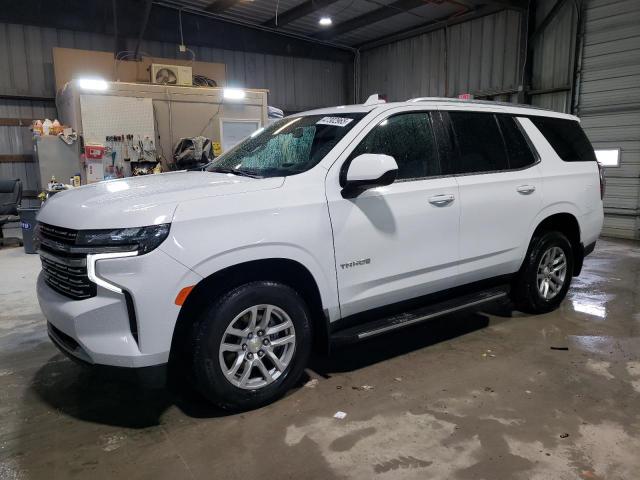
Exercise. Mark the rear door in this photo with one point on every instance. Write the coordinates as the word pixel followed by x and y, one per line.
pixel 499 187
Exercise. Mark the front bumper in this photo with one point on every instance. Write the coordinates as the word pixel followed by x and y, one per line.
pixel 155 376
pixel 99 330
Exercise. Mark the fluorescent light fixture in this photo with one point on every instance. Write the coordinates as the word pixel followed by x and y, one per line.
pixel 609 157
pixel 93 84
pixel 234 93
pixel 325 21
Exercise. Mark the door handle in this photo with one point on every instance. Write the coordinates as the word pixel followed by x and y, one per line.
pixel 526 189
pixel 441 200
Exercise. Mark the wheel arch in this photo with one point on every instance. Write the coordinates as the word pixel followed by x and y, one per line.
pixel 567 224
pixel 287 271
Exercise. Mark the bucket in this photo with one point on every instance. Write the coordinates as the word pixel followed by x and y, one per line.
pixel 28 224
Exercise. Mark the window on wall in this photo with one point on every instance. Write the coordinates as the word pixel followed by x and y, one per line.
pixel 409 140
pixel 608 157
pixel 566 137
pixel 518 151
pixel 479 143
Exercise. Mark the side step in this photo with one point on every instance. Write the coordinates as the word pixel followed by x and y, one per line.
pixel 405 319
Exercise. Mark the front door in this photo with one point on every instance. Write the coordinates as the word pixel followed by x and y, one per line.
pixel 400 241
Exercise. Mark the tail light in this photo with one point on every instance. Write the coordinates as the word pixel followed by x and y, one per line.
pixel 603 182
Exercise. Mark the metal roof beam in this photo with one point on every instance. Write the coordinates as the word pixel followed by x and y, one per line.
pixel 220 6
pixel 511 4
pixel 431 26
pixel 553 13
pixel 297 12
pixel 395 8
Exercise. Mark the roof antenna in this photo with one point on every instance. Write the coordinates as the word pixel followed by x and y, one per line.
pixel 375 99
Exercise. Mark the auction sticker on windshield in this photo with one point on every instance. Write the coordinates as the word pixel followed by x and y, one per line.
pixel 335 121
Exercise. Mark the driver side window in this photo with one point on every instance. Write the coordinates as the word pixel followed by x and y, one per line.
pixel 408 138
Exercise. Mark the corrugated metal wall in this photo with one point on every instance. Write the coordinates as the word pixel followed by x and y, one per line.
pixel 294 83
pixel 482 56
pixel 27 69
pixel 16 140
pixel 609 104
pixel 553 54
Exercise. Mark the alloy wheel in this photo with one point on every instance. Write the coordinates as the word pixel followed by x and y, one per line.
pixel 552 273
pixel 257 347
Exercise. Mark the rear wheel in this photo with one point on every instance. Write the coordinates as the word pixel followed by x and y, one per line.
pixel 251 345
pixel 545 276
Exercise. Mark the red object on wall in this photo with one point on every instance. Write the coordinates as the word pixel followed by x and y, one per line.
pixel 95 152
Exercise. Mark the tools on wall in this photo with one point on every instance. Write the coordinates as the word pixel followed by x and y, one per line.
pixel 125 155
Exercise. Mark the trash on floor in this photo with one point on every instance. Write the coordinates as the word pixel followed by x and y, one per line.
pixel 313 383
pixel 339 415
pixel 363 387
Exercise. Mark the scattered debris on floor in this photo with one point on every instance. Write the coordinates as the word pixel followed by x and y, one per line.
pixel 313 383
pixel 489 389
pixel 339 415
pixel 363 388
pixel 559 348
pixel 112 442
pixel 398 379
pixel 564 435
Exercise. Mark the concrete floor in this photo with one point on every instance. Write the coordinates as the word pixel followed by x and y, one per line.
pixel 474 396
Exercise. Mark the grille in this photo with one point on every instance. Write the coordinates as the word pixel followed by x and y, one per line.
pixel 62 235
pixel 67 276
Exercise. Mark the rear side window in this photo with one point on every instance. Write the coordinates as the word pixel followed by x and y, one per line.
pixel 518 150
pixel 409 140
pixel 479 142
pixel 567 138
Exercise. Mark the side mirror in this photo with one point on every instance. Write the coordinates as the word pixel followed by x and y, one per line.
pixel 369 170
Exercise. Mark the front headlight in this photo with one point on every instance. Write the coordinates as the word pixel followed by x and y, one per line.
pixel 142 239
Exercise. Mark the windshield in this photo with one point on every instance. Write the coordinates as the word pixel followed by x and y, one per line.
pixel 287 147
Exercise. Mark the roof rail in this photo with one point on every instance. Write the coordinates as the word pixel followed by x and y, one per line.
pixel 429 99
pixel 476 102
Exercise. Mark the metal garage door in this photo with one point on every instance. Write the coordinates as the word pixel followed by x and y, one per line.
pixel 609 104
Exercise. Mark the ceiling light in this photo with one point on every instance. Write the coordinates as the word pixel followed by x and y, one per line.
pixel 93 84
pixel 325 21
pixel 233 93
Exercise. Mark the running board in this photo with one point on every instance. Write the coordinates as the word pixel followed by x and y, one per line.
pixel 422 314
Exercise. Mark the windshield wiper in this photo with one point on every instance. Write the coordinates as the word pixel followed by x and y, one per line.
pixel 241 173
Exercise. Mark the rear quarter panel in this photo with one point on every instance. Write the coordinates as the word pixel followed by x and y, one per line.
pixel 567 187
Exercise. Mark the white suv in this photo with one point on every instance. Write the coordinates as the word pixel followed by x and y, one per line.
pixel 328 226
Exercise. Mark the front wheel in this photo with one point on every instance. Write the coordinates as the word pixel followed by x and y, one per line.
pixel 251 345
pixel 545 276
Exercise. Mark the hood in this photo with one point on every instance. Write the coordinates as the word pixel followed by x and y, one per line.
pixel 140 201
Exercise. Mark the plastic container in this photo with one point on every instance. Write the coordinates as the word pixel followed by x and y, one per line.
pixel 28 224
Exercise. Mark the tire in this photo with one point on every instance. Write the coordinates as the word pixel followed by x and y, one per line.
pixel 275 361
pixel 528 292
